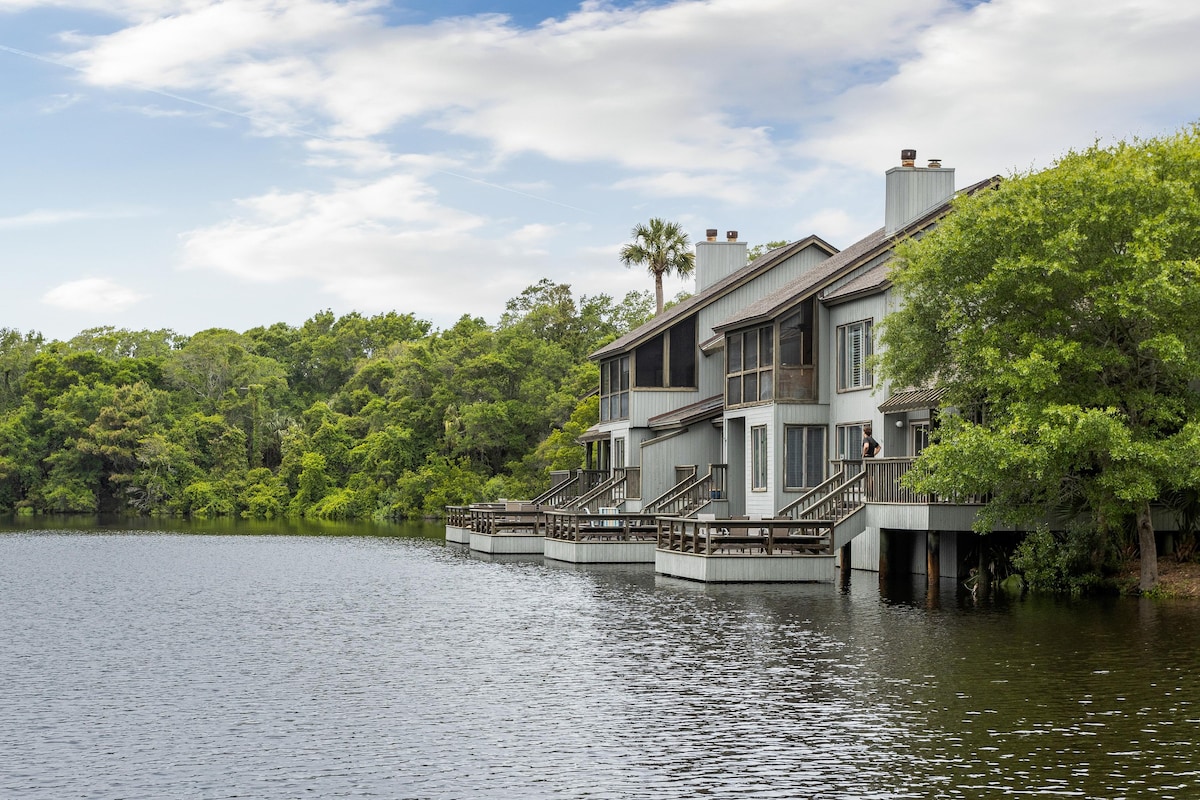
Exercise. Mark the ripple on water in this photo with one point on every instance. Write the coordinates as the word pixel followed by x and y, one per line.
pixel 153 665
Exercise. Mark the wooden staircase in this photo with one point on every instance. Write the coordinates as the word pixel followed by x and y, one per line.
pixel 835 507
pixel 689 496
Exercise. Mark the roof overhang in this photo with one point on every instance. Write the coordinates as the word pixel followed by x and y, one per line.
pixel 593 434
pixel 712 408
pixel 912 400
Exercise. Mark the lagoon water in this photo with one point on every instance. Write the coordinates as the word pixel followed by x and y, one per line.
pixel 325 663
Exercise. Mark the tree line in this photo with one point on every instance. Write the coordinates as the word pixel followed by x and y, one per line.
pixel 349 417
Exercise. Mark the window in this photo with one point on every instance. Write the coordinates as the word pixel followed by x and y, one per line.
pixel 854 348
pixel 758 458
pixel 618 458
pixel 803 456
pixel 750 366
pixel 669 359
pixel 849 442
pixel 797 376
pixel 614 389
pixel 920 437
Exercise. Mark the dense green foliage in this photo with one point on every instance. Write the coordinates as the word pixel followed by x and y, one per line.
pixel 342 417
pixel 1062 308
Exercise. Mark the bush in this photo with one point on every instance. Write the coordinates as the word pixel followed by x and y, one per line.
pixel 208 499
pixel 1076 561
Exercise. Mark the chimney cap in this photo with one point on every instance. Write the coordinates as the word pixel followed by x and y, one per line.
pixel 710 234
pixel 731 236
pixel 935 163
pixel 908 158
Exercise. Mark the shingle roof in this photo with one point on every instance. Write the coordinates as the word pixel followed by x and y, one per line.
pixel 705 409
pixel 872 280
pixel 856 255
pixel 714 292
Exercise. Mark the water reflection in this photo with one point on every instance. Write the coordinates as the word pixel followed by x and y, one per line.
pixel 156 665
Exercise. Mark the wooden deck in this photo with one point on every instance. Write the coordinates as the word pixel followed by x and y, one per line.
pixel 507 529
pixel 615 538
pixel 782 550
pixel 771 537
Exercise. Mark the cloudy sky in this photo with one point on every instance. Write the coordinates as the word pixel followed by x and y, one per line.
pixel 189 164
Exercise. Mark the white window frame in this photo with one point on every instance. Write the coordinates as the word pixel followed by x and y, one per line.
pixel 760 464
pixel 807 434
pixel 849 442
pixel 854 347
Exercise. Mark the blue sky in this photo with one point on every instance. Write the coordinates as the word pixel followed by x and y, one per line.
pixel 188 164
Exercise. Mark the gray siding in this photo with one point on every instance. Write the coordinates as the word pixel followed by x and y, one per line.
pixel 699 445
pixel 911 191
pixel 715 260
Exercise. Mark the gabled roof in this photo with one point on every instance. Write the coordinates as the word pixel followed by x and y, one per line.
pixel 709 408
pixel 828 272
pixel 711 294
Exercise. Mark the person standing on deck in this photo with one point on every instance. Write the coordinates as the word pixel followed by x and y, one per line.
pixel 870 447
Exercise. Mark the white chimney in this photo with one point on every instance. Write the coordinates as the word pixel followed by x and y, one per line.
pixel 913 190
pixel 715 259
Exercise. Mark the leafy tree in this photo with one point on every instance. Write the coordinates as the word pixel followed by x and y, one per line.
pixel 215 361
pixel 20 455
pixel 760 250
pixel 116 435
pixel 663 249
pixel 16 356
pixel 1063 306
pixel 118 343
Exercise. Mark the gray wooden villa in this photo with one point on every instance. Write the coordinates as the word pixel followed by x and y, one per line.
pixel 730 433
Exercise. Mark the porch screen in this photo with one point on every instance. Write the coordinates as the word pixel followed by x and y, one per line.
pixel 797 375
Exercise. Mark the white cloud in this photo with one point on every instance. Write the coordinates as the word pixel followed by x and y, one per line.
pixel 92 294
pixel 59 102
pixel 374 245
pixel 773 117
pixel 1018 82
pixel 49 217
pixel 686 87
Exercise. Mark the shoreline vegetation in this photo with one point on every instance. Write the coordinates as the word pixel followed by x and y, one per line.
pixel 340 418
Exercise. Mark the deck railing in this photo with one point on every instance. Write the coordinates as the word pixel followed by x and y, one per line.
pixel 693 494
pixel 458 516
pixel 572 526
pixel 632 488
pixel 745 536
pixel 566 491
pixel 883 485
pixel 496 518
pixel 625 482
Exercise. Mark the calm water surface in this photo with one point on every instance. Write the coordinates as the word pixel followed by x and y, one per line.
pixel 320 662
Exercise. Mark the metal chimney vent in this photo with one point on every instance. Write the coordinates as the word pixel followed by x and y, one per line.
pixel 908 158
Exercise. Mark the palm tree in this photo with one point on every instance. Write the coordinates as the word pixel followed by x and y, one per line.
pixel 663 248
